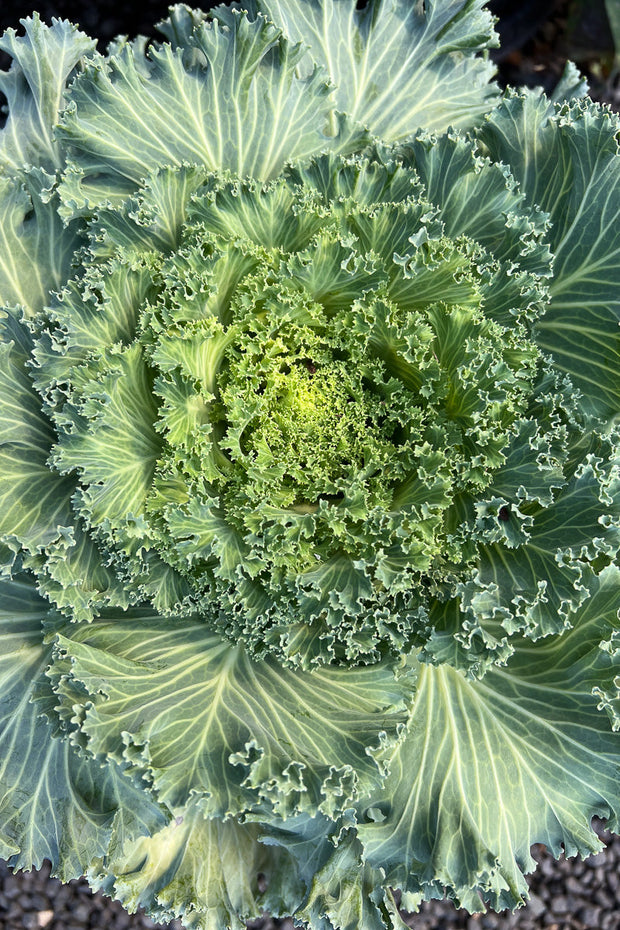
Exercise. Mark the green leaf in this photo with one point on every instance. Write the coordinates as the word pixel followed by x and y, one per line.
pixel 497 217
pixel 567 163
pixel 344 892
pixel 210 873
pixel 571 85
pixel 397 66
pixel 73 573
pixel 533 467
pixel 201 533
pixel 44 61
pixel 536 586
pixel 87 325
pixel 117 453
pixel 153 219
pixel 55 803
pixel 35 507
pixel 218 726
pixel 469 643
pixel 91 314
pixel 490 767
pixel 36 250
pixel 34 502
pixel 309 838
pixel 271 214
pixel 238 101
pixel 608 689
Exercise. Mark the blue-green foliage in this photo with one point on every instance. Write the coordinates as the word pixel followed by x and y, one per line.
pixel 309 463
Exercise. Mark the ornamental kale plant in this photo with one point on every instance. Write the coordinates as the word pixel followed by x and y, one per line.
pixel 310 472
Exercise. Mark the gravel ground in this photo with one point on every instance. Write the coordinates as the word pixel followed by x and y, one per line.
pixel 569 894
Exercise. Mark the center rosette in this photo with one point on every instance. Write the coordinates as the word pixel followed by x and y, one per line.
pixel 304 414
pixel 306 434
pixel 298 393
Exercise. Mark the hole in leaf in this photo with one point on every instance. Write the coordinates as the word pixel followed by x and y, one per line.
pixel 332 498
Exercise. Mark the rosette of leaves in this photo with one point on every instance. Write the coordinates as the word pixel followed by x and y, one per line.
pixel 310 487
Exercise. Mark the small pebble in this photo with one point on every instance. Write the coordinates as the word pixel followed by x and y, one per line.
pixel 573 885
pixel 561 905
pixel 536 906
pixel 81 911
pixel 604 899
pixel 589 916
pixel 609 922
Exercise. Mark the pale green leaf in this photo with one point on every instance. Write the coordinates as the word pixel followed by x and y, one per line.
pixel 55 803
pixel 117 453
pixel 270 215
pixel 36 250
pixel 220 726
pixel 208 872
pixel 44 61
pixel 153 219
pixel 89 325
pixel 490 767
pixel 567 164
pixel 478 199
pixel 533 466
pixel 608 689
pixel 94 312
pixel 396 66
pixel 239 105
pixel 571 85
pixel 34 502
pixel 344 892
pixel 72 572
pixel 536 586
